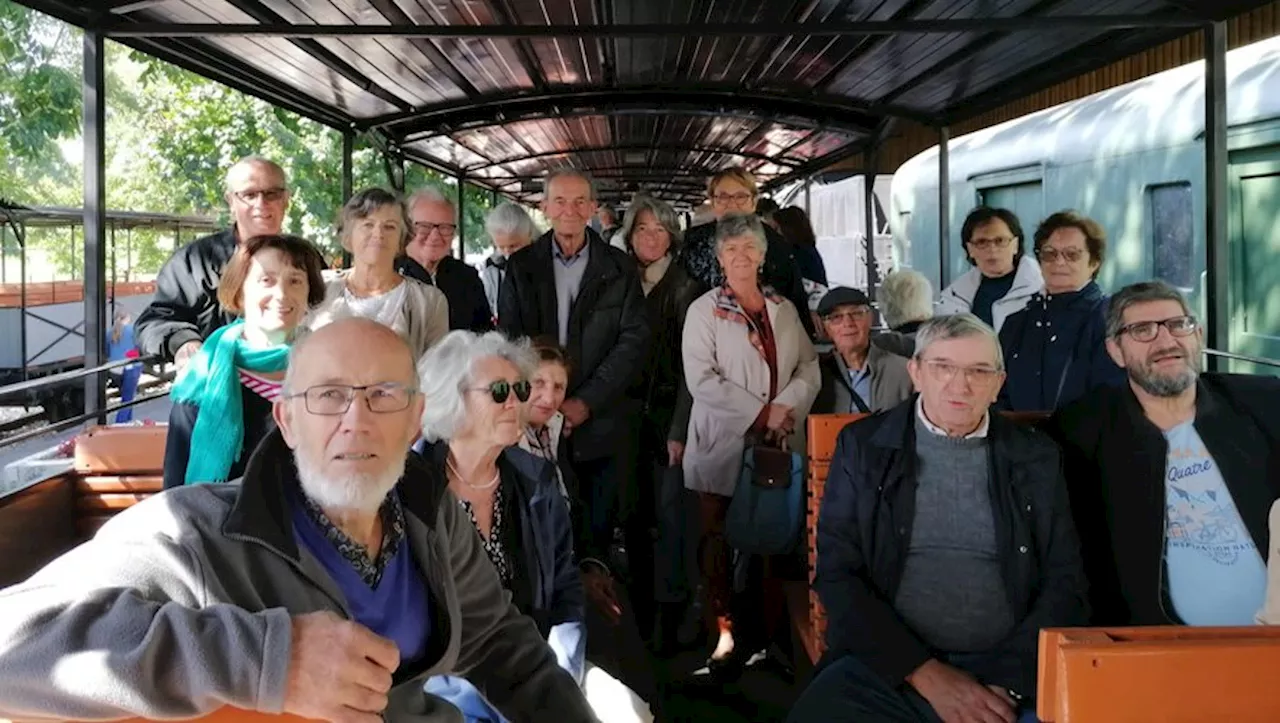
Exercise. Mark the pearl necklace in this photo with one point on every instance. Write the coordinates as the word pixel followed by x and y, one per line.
pixel 496 476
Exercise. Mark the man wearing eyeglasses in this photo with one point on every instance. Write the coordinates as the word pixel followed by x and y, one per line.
pixel 429 259
pixel 185 310
pixel 329 583
pixel 945 543
pixel 1172 475
pixel 857 376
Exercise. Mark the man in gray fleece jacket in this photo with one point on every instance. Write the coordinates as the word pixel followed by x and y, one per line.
pixel 329 583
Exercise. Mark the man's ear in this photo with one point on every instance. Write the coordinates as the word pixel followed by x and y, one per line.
pixel 284 420
pixel 1113 351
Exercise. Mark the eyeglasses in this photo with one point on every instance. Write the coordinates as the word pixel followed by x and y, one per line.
pixel 335 399
pixel 267 195
pixel 943 372
pixel 738 198
pixel 1148 330
pixel 851 315
pixel 501 389
pixel 1049 254
pixel 998 242
pixel 424 229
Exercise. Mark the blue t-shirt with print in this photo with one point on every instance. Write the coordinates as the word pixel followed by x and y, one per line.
pixel 1216 574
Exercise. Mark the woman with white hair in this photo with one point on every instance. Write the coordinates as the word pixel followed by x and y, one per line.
pixel 475 388
pixel 374 227
pixel 906 302
pixel 753 374
pixel 511 229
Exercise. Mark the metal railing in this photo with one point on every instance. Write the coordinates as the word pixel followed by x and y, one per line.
pixel 1263 361
pixel 64 377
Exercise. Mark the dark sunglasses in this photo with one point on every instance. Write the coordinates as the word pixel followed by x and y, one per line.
pixel 501 389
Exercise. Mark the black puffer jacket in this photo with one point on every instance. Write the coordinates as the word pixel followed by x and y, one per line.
pixel 661 388
pixel 608 337
pixel 698 257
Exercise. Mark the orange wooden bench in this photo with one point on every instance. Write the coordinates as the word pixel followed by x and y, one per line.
pixel 1166 674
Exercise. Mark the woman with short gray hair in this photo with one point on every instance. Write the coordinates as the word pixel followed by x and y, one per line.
pixel 511 229
pixel 374 227
pixel 475 388
pixel 753 375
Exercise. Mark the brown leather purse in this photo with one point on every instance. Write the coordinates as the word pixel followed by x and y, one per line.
pixel 770 466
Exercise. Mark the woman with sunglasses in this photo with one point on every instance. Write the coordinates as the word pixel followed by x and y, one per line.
pixel 1002 279
pixel 1054 349
pixel 222 399
pixel 475 390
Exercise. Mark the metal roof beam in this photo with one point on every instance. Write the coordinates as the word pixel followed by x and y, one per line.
pixel 636 148
pixel 825 112
pixel 654 30
pixel 394 15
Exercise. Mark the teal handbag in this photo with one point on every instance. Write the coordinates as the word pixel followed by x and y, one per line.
pixel 767 511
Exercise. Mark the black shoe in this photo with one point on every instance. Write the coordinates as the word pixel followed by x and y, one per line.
pixel 722 671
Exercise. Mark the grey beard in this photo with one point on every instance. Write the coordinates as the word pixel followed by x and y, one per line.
pixel 1167 386
pixel 361 493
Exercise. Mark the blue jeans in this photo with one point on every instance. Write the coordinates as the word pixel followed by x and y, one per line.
pixel 848 690
pixel 128 388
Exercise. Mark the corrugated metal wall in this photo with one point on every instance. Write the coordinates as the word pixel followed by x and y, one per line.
pixel 911 138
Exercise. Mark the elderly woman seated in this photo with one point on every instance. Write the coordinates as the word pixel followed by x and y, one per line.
pixel 511 229
pixel 222 399
pixel 475 388
pixel 374 227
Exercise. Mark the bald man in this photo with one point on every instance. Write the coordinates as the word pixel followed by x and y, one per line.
pixel 185 310
pixel 329 583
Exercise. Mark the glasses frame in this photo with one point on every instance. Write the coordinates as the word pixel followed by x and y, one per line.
pixel 268 195
pixel 858 314
pixel 363 390
pixel 424 229
pixel 1043 254
pixel 727 198
pixel 1190 330
pixel 500 390
pixel 999 242
pixel 973 376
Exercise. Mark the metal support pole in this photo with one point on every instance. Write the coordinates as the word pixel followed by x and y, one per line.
pixel 462 216
pixel 808 185
pixel 400 179
pixel 95 204
pixel 944 207
pixel 1217 259
pixel 348 180
pixel 869 218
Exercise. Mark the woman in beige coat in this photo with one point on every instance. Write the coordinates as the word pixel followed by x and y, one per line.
pixel 753 374
pixel 374 227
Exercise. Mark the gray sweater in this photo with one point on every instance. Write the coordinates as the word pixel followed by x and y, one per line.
pixel 182 605
pixel 952 592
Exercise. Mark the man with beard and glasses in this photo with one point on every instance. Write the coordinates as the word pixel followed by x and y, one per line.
pixel 329 583
pixel 1172 476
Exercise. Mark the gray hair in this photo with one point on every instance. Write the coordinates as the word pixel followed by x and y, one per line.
pixel 905 295
pixel 427 194
pixel 252 161
pixel 568 172
pixel 662 211
pixel 303 339
pixel 446 372
pixel 738 225
pixel 1140 293
pixel 956 326
pixel 365 203
pixel 510 218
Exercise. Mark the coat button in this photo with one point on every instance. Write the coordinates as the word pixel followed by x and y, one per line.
pixel 1038 323
pixel 1053 338
pixel 1023 549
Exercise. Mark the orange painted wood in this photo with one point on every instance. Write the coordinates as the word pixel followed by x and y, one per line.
pixel 121 450
pixel 109 502
pixel 98 484
pixel 44 293
pixel 1167 674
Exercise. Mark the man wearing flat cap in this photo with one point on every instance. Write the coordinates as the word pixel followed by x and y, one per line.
pixel 857 376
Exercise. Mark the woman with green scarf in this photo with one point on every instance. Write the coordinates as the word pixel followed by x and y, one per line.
pixel 222 399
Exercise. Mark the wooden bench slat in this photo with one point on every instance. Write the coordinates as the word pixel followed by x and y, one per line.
pixel 98 484
pixel 109 502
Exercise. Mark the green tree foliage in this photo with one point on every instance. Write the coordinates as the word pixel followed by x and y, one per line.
pixel 171 135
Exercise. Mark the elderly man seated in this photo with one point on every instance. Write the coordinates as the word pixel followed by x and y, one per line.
pixel 945 543
pixel 330 583
pixel 856 376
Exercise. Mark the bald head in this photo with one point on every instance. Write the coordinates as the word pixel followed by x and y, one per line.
pixel 258 197
pixel 245 168
pixel 325 356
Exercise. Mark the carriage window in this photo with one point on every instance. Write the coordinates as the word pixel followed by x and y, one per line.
pixel 1172 234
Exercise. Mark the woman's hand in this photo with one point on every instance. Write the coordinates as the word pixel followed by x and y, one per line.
pixel 598 585
pixel 780 419
pixel 675 453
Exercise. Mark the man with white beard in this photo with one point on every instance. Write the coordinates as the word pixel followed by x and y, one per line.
pixel 1173 475
pixel 329 583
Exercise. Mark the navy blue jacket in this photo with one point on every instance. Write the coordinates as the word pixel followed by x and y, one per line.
pixel 864 532
pixel 1055 351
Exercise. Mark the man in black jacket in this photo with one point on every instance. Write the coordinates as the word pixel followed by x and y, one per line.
pixel 571 286
pixel 1172 475
pixel 185 310
pixel 945 543
pixel 435 223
